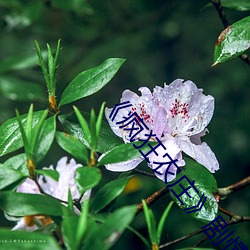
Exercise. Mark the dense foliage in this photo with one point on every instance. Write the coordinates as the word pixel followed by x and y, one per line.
pixel 58 145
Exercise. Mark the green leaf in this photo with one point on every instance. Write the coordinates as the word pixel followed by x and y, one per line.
pixel 19 90
pixel 105 235
pixel 69 230
pixel 108 193
pixel 8 176
pixel 151 223
pixel 43 65
pixel 37 132
pixel 18 162
pixel 107 139
pixel 16 240
pixel 241 5
pixel 90 81
pixel 74 228
pixel 143 239
pixel 82 223
pixel 20 204
pixel 92 127
pixel 46 138
pixel 73 146
pixel 233 41
pixel 87 177
pixel 84 125
pixel 10 136
pixel 53 174
pixel 204 183
pixel 162 221
pixel 99 121
pixel 124 152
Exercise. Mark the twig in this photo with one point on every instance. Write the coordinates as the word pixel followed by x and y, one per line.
pixel 182 238
pixel 224 211
pixel 226 23
pixel 223 192
pixel 152 198
pixel 222 15
pixel 203 239
pixel 144 173
pixel 234 220
pixel 42 192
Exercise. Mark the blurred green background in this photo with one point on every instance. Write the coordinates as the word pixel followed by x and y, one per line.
pixel 161 41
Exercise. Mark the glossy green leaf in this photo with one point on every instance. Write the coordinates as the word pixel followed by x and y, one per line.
pixel 205 183
pixel 69 230
pixel 151 223
pixel 9 175
pixel 107 139
pixel 10 136
pixel 233 41
pixel 82 223
pixel 99 120
pixel 105 235
pixel 73 146
pixel 20 204
pixel 46 138
pixel 143 239
pixel 74 228
pixel 241 5
pixel 108 193
pixel 87 177
pixel 92 128
pixel 90 81
pixel 16 240
pixel 84 125
pixel 19 90
pixel 53 174
pixel 162 221
pixel 18 162
pixel 124 152
pixel 37 134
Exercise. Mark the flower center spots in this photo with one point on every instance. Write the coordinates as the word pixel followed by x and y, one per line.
pixel 142 113
pixel 179 109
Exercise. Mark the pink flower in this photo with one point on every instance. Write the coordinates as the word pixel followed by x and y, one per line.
pixel 178 114
pixel 58 189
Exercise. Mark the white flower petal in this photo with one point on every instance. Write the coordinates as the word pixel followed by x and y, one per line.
pixel 189 110
pixel 125 165
pixel 174 152
pixel 59 189
pixel 29 187
pixel 201 153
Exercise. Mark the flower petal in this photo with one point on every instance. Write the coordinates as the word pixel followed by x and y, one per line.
pixel 174 152
pixel 29 187
pixel 189 110
pixel 65 182
pixel 125 165
pixel 145 106
pixel 201 153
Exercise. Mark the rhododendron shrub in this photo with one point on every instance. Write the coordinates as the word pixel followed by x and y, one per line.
pixel 112 159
